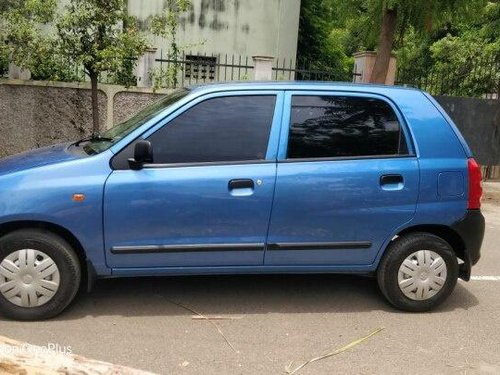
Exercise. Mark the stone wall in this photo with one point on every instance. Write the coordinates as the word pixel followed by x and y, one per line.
pixel 34 116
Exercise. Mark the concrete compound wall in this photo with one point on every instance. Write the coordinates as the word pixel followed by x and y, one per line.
pixel 34 114
pixel 479 122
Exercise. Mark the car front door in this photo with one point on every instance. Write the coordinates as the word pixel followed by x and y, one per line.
pixel 206 198
pixel 347 178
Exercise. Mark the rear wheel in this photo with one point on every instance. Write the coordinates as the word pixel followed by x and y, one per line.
pixel 39 274
pixel 418 272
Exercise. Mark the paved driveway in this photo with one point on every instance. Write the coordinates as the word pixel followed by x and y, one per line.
pixel 136 322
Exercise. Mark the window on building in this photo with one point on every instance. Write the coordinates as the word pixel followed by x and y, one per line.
pixel 200 67
pixel 222 129
pixel 343 126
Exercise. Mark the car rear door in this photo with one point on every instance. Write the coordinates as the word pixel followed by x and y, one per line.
pixel 206 199
pixel 347 178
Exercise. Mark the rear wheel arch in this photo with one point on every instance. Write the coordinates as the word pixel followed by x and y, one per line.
pixel 447 234
pixel 442 231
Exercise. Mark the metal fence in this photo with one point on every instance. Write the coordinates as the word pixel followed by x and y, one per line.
pixel 288 69
pixel 478 77
pixel 189 69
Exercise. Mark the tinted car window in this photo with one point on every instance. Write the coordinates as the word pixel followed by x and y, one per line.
pixel 341 126
pixel 221 129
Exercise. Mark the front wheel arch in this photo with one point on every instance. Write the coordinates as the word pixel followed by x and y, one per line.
pixel 86 267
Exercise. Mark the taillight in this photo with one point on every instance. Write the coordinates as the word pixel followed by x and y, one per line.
pixel 475 186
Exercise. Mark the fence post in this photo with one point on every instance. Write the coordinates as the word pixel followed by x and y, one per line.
pixel 144 68
pixel 263 68
pixel 16 72
pixel 363 67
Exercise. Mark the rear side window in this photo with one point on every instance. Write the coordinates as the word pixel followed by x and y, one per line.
pixel 222 129
pixel 343 126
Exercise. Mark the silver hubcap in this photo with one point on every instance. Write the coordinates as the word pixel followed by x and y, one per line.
pixel 422 275
pixel 29 278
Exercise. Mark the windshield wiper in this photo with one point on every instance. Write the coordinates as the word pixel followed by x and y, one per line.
pixel 93 137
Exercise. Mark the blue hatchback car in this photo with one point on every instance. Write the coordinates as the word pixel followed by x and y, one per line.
pixel 247 178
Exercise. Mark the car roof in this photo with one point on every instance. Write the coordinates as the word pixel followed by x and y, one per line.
pixel 299 85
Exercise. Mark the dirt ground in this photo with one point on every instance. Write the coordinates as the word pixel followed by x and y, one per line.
pixel 491 192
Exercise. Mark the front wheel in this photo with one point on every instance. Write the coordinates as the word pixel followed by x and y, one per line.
pixel 39 274
pixel 418 272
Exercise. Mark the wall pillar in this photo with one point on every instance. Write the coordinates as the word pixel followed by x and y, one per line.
pixel 364 63
pixel 263 68
pixel 144 68
pixel 16 72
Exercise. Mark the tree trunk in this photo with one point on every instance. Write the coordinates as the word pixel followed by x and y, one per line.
pixel 95 103
pixel 385 41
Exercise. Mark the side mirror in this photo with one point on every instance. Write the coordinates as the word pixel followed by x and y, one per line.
pixel 143 153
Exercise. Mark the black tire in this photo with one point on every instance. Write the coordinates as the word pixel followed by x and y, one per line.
pixel 397 252
pixel 64 257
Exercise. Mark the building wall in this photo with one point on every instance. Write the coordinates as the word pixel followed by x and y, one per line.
pixel 240 27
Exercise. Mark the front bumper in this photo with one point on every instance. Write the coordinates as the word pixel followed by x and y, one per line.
pixel 471 229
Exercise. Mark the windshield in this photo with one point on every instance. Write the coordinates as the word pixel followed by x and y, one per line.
pixel 108 138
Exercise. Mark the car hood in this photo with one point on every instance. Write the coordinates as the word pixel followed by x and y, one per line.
pixel 36 158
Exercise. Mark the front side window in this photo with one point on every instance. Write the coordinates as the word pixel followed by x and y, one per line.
pixel 343 126
pixel 234 128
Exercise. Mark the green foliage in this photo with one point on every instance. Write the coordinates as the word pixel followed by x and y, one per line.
pixel 461 59
pixel 21 39
pixel 124 76
pixel 413 55
pixel 92 33
pixel 332 30
pixel 466 61
pixel 165 25
pixel 28 38
pixel 49 64
pixel 4 52
pixel 4 62
pixel 434 39
pixel 98 35
pixel 314 26
pixel 490 26
pixel 322 38
pixel 165 77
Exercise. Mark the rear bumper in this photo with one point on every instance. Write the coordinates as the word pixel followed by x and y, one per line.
pixel 471 230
